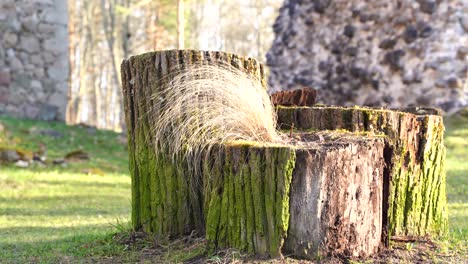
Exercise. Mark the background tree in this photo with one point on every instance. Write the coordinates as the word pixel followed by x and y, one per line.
pixel 180 24
pixel 104 32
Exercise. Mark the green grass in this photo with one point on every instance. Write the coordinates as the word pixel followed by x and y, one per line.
pixel 61 214
pixel 456 141
pixel 55 214
pixel 106 153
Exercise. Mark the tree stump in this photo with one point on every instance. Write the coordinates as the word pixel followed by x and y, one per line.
pixel 309 199
pixel 161 200
pixel 315 194
pixel 417 204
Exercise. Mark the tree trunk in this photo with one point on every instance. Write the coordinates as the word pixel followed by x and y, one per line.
pixel 180 24
pixel 321 193
pixel 417 200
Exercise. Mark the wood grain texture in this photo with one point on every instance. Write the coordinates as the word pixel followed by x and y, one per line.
pixel 337 199
pixel 298 97
pixel 249 198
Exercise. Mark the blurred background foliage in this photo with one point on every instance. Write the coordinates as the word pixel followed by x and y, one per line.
pixel 104 32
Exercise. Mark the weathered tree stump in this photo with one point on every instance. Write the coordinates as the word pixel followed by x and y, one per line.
pixel 161 200
pixel 307 199
pixel 417 199
pixel 316 193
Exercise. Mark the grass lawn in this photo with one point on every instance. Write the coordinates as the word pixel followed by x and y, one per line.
pixel 58 214
pixel 456 141
pixel 62 213
pixel 71 214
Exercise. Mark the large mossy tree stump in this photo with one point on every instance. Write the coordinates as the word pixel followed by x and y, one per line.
pixel 315 194
pixel 417 204
pixel 161 200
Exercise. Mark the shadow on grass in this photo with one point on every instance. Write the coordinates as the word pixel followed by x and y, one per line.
pixel 75 168
pixel 41 231
pixel 452 172
pixel 457 185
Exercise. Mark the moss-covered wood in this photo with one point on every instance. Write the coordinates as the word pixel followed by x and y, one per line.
pixel 308 199
pixel 248 198
pixel 417 199
pixel 161 200
pixel 264 200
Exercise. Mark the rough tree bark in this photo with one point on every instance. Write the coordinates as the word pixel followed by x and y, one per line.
pixel 318 193
pixel 246 196
pixel 299 97
pixel 337 197
pixel 306 199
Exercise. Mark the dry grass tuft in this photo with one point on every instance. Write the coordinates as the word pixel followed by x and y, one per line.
pixel 207 105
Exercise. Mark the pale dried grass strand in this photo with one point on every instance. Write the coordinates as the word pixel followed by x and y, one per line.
pixel 207 105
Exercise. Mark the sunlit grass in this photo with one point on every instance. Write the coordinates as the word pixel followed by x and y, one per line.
pixel 59 213
pixel 54 213
pixel 103 146
pixel 456 141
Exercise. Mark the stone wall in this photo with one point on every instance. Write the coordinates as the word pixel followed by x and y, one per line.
pixel 34 58
pixel 379 53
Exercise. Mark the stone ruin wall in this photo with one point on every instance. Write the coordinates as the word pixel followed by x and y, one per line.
pixel 377 53
pixel 34 58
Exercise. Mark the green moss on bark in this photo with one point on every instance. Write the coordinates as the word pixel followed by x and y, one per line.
pixel 214 200
pixel 251 211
